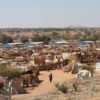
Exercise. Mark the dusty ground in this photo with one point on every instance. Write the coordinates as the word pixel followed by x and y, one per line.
pixel 88 89
pixel 45 86
pixel 48 91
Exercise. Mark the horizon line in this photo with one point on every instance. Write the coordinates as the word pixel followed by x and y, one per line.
pixel 49 27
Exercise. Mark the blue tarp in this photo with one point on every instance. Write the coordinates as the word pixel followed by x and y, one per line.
pixel 85 42
pixel 5 45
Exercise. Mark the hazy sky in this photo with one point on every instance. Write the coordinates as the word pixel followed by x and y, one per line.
pixel 49 13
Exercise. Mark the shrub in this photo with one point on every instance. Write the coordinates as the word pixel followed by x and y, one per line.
pixel 24 39
pixel 9 72
pixel 62 88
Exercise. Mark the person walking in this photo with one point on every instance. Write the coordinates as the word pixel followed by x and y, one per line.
pixel 50 77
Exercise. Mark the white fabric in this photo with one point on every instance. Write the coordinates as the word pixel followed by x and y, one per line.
pixel 84 74
pixel 66 55
pixel 97 65
pixel 48 61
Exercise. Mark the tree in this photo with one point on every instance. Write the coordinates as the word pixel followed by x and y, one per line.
pixel 55 35
pixel 36 37
pixel 24 39
pixel 45 39
pixel 5 39
pixel 87 32
pixel 94 37
pixel 65 37
pixel 10 73
pixel 42 38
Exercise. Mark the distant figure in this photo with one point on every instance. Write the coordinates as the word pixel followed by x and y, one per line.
pixel 50 77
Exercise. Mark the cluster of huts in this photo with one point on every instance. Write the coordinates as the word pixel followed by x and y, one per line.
pixel 69 56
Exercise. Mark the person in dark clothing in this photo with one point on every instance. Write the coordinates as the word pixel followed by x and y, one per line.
pixel 50 77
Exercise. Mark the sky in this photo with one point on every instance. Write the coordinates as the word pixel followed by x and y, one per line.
pixel 49 13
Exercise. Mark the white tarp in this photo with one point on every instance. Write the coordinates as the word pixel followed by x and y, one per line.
pixel 66 55
pixel 97 65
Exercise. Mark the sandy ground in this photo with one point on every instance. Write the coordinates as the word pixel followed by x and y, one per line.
pixel 45 86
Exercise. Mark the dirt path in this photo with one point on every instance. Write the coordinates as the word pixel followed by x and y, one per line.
pixel 45 86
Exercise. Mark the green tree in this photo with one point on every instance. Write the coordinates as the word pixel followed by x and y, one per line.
pixel 24 39
pixel 42 38
pixel 9 72
pixel 5 39
pixel 55 36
